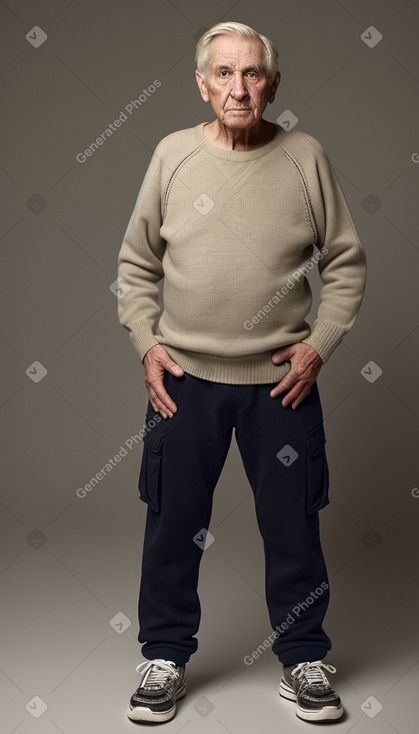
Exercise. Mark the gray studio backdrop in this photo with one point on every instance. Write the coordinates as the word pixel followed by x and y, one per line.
pixel 72 393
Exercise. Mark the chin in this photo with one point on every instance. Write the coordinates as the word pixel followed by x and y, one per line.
pixel 238 121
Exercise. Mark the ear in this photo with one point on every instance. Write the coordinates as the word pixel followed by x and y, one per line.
pixel 202 86
pixel 274 87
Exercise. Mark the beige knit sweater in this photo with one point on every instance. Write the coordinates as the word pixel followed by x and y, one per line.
pixel 234 234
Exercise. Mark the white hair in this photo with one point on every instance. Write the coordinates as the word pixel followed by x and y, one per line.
pixel 235 29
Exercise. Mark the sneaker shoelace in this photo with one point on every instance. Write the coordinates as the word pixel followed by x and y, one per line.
pixel 312 674
pixel 155 675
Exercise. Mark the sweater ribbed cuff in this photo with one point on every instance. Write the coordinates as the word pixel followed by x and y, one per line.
pixel 325 337
pixel 142 338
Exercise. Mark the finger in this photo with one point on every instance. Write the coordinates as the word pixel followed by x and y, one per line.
pixel 158 406
pixel 161 407
pixel 294 399
pixel 282 355
pixel 292 395
pixel 300 399
pixel 162 397
pixel 174 369
pixel 286 383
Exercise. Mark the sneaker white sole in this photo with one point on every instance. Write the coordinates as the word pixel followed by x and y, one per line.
pixel 141 713
pixel 327 713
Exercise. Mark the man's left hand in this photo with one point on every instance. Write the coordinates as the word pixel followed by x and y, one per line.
pixel 305 367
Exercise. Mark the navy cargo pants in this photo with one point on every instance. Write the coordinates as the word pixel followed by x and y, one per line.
pixel 283 453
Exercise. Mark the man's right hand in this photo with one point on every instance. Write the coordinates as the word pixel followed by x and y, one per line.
pixel 156 361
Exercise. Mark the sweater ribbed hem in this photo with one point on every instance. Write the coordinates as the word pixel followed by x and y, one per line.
pixel 250 370
pixel 242 371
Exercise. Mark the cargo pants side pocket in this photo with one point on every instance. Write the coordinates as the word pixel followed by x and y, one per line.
pixel 149 482
pixel 317 471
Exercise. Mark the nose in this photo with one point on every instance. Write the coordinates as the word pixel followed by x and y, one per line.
pixel 238 88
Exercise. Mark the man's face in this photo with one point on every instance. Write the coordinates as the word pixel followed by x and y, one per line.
pixel 237 84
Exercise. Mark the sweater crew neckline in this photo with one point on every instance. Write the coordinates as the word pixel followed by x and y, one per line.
pixel 236 155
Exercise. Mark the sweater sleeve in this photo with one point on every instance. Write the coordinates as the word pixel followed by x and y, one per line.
pixel 342 267
pixel 140 262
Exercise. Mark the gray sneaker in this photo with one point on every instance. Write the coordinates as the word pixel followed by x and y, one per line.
pixel 162 683
pixel 307 685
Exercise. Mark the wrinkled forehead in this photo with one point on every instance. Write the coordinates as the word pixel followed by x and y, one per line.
pixel 236 53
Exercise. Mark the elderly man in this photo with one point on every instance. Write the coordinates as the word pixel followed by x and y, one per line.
pixel 229 215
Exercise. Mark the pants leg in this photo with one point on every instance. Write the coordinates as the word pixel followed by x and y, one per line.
pixel 284 458
pixel 182 459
